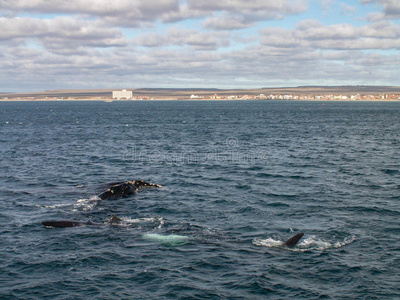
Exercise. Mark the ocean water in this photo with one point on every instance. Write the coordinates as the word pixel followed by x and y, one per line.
pixel 239 178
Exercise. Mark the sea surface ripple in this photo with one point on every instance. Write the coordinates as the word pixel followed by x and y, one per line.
pixel 238 177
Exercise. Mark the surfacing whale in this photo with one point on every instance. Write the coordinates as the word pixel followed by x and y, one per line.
pixel 125 189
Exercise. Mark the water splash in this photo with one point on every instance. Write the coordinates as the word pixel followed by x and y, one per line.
pixel 54 206
pixel 86 204
pixel 148 223
pixel 312 243
pixel 270 243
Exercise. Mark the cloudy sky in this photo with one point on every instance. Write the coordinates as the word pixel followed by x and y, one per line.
pixel 85 44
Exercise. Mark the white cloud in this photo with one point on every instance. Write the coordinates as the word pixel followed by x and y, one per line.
pixel 346 9
pixel 375 17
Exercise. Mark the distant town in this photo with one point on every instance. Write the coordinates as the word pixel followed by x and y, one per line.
pixel 299 93
pixel 300 97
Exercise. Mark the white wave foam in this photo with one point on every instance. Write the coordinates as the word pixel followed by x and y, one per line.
pixel 270 242
pixel 142 220
pixel 86 204
pixel 149 223
pixel 55 206
pixel 310 244
pixel 161 223
pixel 346 241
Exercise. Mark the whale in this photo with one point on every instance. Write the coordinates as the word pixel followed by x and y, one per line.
pixel 168 239
pixel 114 220
pixel 125 189
pixel 290 243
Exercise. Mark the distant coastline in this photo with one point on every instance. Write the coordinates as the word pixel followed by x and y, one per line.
pixel 305 93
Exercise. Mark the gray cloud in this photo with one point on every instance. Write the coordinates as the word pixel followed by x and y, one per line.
pixel 134 13
pixel 177 36
pixel 60 32
pixel 184 12
pixel 237 14
pixel 276 65
pixel 253 66
pixel 129 13
pixel 314 35
pixel 149 9
pixel 391 8
pixel 227 22
pixel 259 8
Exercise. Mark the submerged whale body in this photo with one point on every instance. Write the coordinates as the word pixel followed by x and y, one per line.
pixel 65 224
pixel 294 240
pixel 170 239
pixel 125 189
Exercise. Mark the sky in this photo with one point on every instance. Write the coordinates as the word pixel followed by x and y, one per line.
pixel 96 44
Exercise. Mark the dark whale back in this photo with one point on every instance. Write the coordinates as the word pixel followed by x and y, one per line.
pixel 66 223
pixel 63 224
pixel 125 189
pixel 294 240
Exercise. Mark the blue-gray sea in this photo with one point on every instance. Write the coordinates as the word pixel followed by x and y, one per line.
pixel 238 177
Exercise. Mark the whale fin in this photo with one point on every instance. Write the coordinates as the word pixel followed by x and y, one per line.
pixel 294 240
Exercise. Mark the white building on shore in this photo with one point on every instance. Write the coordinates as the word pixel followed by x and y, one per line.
pixel 124 94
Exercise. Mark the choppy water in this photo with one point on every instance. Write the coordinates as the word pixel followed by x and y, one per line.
pixel 239 179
